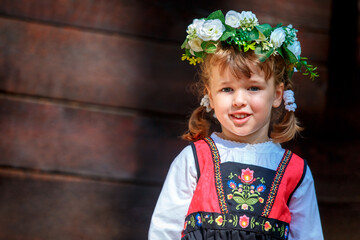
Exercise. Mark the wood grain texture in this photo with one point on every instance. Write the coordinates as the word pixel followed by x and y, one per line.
pixel 38 206
pixel 89 67
pixel 107 69
pixel 63 139
pixel 334 228
pixel 68 171
pixel 147 18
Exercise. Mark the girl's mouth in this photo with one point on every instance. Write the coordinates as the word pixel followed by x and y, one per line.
pixel 240 115
pixel 240 118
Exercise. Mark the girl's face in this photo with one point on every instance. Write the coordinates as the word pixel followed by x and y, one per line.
pixel 243 106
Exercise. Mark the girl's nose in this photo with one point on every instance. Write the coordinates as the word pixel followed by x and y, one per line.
pixel 239 99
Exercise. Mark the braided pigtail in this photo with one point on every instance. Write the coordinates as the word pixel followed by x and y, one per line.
pixel 198 125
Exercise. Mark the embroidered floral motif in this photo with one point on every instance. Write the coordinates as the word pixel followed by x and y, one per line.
pixel 247 176
pixel 249 221
pixel 219 220
pixel 244 221
pixel 198 220
pixel 229 196
pixel 267 226
pixel 232 184
pixel 246 194
pixel 260 188
pixel 286 232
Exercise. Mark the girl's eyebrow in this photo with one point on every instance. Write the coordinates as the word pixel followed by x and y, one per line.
pixel 222 81
pixel 256 79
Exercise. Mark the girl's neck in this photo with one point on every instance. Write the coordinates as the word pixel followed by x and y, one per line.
pixel 246 139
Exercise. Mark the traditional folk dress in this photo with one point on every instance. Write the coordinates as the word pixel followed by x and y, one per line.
pixel 237 191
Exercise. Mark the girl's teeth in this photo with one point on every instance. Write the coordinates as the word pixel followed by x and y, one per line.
pixel 240 115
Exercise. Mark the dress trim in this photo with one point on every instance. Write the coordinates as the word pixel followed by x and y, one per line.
pixel 218 184
pixel 276 182
pixel 237 221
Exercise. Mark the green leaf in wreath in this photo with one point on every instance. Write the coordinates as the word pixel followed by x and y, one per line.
pixel 229 32
pixel 280 51
pixel 252 35
pixel 199 54
pixel 289 55
pixel 263 55
pixel 298 66
pixel 184 43
pixel 209 47
pixel 264 29
pixel 217 15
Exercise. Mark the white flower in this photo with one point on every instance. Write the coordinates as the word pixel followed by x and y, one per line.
pixel 277 37
pixel 194 27
pixel 195 44
pixel 211 30
pixel 295 48
pixel 248 19
pixel 232 18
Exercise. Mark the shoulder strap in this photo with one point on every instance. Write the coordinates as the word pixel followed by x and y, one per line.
pixel 218 182
pixel 299 183
pixel 291 172
pixel 205 198
pixel 196 160
pixel 276 182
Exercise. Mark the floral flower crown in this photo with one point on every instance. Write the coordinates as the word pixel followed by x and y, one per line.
pixel 243 30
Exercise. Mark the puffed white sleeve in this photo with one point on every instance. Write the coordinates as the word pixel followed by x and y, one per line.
pixel 171 208
pixel 305 218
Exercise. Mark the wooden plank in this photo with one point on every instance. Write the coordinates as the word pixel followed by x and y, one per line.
pixel 312 15
pixel 105 69
pixel 327 155
pixel 164 19
pixel 51 137
pixel 334 165
pixel 36 206
pixel 89 67
pixel 310 97
pixel 333 227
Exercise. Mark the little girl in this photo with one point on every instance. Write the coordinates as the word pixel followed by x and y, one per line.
pixel 239 183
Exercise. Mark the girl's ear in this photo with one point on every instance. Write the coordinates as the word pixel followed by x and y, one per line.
pixel 210 96
pixel 279 90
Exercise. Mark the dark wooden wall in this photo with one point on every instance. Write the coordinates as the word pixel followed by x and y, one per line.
pixel 93 97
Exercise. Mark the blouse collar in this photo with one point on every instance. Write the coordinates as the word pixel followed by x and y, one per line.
pixel 268 146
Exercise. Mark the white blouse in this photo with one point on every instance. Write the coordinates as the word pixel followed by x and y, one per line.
pixel 169 215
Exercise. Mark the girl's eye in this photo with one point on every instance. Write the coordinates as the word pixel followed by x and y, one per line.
pixel 226 89
pixel 253 89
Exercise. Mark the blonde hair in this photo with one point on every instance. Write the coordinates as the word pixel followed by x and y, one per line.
pixel 283 124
